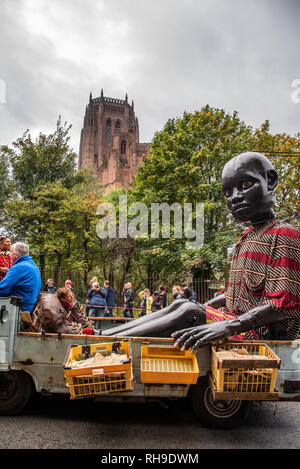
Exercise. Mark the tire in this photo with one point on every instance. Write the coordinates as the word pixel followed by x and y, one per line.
pixel 213 413
pixel 16 389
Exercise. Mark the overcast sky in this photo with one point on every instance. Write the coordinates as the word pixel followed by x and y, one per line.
pixel 170 56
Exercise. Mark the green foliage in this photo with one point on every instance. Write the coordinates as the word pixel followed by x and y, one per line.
pixel 281 150
pixel 5 185
pixel 51 205
pixel 48 159
pixel 45 201
pixel 185 165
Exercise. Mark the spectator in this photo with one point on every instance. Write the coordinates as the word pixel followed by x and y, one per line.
pixel 156 303
pixel 97 300
pixel 163 294
pixel 93 280
pixel 187 293
pixel 5 260
pixel 128 299
pixel 49 287
pixel 62 313
pixel 176 292
pixel 23 279
pixel 220 292
pixel 68 284
pixel 146 302
pixel 110 299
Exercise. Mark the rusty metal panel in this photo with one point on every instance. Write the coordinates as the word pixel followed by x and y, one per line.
pixel 289 353
pixel 8 324
pixel 166 390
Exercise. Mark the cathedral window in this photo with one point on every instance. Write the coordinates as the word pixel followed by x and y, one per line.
pixel 117 126
pixel 107 133
pixel 123 147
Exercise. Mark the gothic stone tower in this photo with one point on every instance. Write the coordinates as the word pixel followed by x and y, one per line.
pixel 110 141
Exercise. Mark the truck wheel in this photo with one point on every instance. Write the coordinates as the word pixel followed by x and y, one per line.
pixel 213 413
pixel 16 388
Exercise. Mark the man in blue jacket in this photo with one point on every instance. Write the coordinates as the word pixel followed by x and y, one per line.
pixel 23 279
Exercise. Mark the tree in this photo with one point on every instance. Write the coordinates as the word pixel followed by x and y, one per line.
pixel 5 185
pixel 52 206
pixel 48 159
pixel 185 166
pixel 284 152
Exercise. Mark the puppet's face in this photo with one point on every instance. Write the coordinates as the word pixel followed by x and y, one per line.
pixel 248 187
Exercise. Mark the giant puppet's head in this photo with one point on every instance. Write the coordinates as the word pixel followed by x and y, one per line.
pixel 248 183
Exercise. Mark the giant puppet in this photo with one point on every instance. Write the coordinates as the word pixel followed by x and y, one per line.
pixel 262 300
pixel 263 295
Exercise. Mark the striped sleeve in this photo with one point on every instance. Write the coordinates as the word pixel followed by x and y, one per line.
pixel 282 285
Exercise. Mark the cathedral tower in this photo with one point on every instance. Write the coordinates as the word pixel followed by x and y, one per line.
pixel 109 141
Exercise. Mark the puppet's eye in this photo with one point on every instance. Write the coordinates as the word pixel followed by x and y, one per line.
pixel 247 184
pixel 227 193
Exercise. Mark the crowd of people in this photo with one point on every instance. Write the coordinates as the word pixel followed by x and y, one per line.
pixel 151 303
pixel 20 276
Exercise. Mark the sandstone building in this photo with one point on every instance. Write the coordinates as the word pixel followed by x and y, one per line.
pixel 109 141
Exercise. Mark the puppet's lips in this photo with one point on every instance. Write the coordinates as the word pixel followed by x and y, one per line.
pixel 235 208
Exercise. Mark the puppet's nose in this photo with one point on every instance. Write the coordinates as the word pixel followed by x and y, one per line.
pixel 236 196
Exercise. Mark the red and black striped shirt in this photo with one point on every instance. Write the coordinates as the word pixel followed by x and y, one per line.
pixel 265 269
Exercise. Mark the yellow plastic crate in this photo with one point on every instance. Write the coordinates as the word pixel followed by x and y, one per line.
pixel 90 381
pixel 168 365
pixel 244 374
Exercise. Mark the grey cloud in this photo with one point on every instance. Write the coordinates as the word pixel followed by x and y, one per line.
pixel 168 55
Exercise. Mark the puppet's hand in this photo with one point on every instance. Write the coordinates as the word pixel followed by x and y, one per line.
pixel 196 337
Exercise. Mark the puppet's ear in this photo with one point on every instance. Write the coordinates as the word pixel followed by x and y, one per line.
pixel 272 178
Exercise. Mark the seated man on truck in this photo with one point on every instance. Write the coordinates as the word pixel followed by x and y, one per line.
pixel 23 279
pixel 263 294
pixel 61 313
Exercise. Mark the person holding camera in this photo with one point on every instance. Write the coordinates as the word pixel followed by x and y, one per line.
pixel 97 300
pixel 146 302
pixel 157 301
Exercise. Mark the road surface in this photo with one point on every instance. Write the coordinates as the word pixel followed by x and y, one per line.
pixel 55 422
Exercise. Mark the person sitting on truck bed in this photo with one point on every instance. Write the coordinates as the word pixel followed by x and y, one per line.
pixel 263 294
pixel 23 279
pixel 62 313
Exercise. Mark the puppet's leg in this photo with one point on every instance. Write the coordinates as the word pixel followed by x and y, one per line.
pixel 186 314
pixel 144 319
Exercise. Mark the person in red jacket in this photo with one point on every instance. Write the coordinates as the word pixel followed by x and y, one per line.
pixel 5 260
